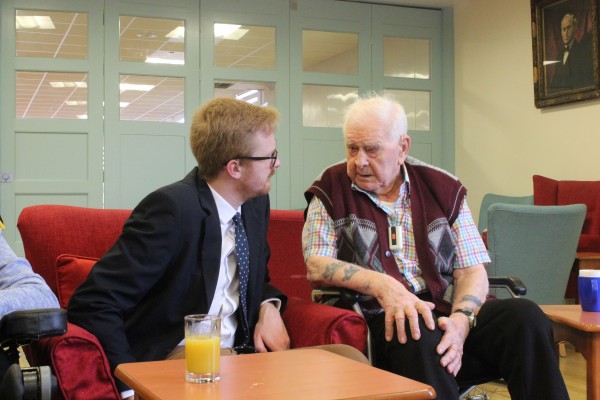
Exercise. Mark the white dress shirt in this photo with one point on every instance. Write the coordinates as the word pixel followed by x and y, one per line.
pixel 227 291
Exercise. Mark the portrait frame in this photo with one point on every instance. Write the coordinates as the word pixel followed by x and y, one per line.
pixel 565 51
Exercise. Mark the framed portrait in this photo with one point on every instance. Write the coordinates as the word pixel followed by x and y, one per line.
pixel 565 51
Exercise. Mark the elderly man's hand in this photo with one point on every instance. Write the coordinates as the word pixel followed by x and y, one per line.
pixel 400 305
pixel 456 328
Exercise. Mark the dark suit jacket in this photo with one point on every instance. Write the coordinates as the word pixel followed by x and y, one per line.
pixel 578 71
pixel 165 265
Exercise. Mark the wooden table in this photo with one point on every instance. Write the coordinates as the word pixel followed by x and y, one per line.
pixel 588 260
pixel 582 330
pixel 295 374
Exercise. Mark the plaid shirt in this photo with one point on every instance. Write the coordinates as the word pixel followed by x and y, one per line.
pixel 319 237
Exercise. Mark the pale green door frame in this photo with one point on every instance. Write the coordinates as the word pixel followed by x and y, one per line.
pixel 141 156
pixel 316 147
pixel 52 160
pixel 103 161
pixel 264 13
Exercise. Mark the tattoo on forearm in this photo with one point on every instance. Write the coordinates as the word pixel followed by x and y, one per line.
pixel 349 272
pixel 331 269
pixel 472 299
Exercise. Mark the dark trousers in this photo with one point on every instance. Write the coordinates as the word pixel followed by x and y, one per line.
pixel 512 340
pixel 5 362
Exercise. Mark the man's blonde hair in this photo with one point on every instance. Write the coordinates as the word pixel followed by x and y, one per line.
pixel 224 129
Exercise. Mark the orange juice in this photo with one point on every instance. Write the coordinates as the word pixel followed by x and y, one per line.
pixel 203 354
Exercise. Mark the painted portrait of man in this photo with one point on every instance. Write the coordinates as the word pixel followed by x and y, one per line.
pixel 568 56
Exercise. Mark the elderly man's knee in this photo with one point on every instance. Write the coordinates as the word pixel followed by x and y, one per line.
pixel 522 314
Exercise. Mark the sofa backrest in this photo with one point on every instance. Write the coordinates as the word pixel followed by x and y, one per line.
pixel 286 266
pixel 50 231
pixel 550 192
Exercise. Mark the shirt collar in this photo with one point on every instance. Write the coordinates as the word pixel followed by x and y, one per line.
pixel 225 210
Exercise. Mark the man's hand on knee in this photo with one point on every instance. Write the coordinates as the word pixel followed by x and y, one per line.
pixel 456 329
pixel 397 317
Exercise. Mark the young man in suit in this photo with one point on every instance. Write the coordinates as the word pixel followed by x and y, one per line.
pixel 176 255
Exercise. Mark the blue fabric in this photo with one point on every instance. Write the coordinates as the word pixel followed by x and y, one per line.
pixel 20 287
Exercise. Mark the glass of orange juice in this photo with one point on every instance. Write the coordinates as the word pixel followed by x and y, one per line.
pixel 202 348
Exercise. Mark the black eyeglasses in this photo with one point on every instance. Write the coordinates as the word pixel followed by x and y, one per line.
pixel 272 157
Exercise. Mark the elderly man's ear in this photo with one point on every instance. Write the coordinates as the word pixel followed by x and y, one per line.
pixel 404 144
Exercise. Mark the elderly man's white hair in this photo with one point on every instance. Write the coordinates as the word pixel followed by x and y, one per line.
pixel 386 110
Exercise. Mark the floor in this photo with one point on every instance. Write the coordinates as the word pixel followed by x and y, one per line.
pixel 573 369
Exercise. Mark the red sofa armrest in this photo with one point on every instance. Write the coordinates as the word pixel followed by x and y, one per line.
pixel 79 363
pixel 313 324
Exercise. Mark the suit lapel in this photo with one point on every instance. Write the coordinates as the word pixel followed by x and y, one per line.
pixel 210 247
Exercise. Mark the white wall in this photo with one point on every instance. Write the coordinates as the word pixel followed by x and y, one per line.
pixel 501 138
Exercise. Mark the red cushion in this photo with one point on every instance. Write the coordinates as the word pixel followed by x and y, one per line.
pixel 71 271
pixel 313 324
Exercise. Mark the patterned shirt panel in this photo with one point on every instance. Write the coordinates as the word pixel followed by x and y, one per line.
pixel 318 233
pixel 319 236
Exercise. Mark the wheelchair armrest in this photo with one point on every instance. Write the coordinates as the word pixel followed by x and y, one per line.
pixel 23 327
pixel 351 296
pixel 346 296
pixel 514 285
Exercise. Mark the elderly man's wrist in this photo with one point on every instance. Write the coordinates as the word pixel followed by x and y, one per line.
pixel 469 315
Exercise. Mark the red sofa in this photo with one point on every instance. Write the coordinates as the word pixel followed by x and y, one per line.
pixel 63 242
pixel 550 192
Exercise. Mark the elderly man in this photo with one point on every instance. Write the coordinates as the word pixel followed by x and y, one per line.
pixel 387 225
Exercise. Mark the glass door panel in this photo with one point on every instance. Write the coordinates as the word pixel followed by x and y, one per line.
pixel 151 40
pixel 151 98
pixel 51 95
pixel 334 52
pixel 407 64
pixel 417 106
pixel 244 46
pixel 258 93
pixel 323 106
pixel 51 34
pixel 406 58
